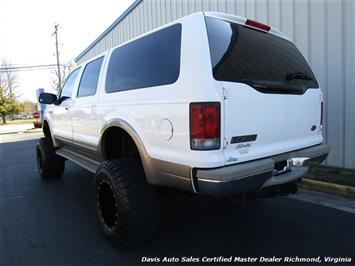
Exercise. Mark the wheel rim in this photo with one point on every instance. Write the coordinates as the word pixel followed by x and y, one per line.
pixel 39 160
pixel 107 204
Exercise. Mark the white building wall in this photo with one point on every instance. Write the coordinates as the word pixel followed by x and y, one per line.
pixel 323 30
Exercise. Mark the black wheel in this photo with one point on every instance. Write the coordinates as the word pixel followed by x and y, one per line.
pixel 49 164
pixel 127 207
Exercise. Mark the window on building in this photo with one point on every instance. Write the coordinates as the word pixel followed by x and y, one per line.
pixel 90 78
pixel 152 60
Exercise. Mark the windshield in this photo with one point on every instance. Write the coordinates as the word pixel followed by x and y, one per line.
pixel 242 54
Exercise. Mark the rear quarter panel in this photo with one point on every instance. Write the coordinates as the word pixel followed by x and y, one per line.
pixel 145 109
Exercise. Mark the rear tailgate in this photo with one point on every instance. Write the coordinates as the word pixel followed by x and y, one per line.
pixel 258 125
pixel 272 99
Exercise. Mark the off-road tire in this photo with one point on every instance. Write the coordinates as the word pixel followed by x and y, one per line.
pixel 127 207
pixel 49 164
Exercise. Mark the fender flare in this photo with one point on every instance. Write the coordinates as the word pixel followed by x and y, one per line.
pixel 119 123
pixel 156 173
pixel 55 143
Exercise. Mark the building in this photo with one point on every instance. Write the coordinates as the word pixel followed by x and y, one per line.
pixel 323 30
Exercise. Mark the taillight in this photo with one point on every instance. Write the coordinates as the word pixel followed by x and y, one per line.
pixel 205 126
pixel 321 113
pixel 257 25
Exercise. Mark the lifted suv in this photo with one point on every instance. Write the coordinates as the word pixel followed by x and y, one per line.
pixel 210 104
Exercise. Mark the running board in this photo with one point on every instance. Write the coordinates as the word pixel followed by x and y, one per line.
pixel 88 164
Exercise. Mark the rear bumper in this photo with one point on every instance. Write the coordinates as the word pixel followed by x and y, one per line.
pixel 251 176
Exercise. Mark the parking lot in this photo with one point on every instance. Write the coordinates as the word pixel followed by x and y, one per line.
pixel 53 222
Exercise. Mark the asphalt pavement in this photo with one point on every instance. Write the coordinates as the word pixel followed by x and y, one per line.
pixel 53 222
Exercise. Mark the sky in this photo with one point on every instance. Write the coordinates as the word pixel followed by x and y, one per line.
pixel 26 29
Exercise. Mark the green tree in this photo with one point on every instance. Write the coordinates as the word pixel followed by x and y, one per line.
pixel 8 105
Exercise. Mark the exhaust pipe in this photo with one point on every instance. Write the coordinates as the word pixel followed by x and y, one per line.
pixel 279 190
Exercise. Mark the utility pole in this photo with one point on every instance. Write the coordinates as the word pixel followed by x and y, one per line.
pixel 57 53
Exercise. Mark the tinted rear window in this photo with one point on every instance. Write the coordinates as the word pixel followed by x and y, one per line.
pixel 152 60
pixel 239 53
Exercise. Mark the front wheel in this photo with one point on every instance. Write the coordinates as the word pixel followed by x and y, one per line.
pixel 49 164
pixel 127 207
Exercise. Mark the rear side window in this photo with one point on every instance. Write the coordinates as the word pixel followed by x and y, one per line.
pixel 152 60
pixel 68 86
pixel 90 78
pixel 241 54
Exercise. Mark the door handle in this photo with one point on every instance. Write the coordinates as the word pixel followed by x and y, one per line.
pixel 51 112
pixel 66 108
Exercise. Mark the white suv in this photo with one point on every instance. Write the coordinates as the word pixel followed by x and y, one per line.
pixel 210 103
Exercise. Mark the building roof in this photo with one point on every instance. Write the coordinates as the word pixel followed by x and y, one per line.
pixel 109 29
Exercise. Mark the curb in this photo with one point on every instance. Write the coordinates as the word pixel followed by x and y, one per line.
pixel 332 188
pixel 33 130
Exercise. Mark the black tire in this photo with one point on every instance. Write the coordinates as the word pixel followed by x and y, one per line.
pixel 127 207
pixel 49 164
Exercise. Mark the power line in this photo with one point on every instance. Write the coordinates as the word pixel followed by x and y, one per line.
pixel 30 67
pixel 25 67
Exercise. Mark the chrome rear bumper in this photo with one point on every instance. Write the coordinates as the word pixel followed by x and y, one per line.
pixel 255 175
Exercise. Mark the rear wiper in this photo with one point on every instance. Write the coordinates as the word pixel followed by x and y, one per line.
pixel 275 87
pixel 262 83
pixel 297 75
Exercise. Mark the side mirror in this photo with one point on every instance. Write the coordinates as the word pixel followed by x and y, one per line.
pixel 47 98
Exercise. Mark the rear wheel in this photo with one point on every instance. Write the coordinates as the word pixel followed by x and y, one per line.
pixel 127 207
pixel 49 164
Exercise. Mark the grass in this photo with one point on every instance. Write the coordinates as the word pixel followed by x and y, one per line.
pixel 337 175
pixel 18 122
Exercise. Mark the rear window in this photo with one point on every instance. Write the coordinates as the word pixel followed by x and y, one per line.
pixel 152 60
pixel 242 54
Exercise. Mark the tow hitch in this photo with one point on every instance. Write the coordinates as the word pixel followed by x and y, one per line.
pixel 282 182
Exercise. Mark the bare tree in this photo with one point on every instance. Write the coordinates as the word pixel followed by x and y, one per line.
pixel 29 107
pixel 65 71
pixel 8 78
pixel 8 84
